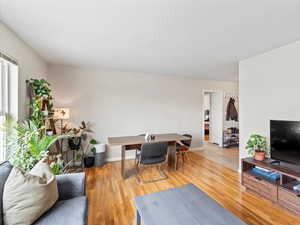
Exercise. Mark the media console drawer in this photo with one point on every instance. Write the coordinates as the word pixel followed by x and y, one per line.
pixel 260 186
pixel 289 200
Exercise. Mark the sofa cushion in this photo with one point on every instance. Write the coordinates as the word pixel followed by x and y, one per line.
pixel 72 211
pixel 27 196
pixel 5 169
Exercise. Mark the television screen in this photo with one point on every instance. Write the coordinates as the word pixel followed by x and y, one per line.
pixel 285 141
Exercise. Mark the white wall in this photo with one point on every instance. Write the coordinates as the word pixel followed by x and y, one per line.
pixel 123 103
pixel 216 118
pixel 30 64
pixel 206 101
pixel 269 86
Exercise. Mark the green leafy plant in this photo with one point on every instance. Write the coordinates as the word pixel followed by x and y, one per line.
pixel 41 100
pixel 27 143
pixel 256 143
pixel 93 142
pixel 37 114
pixel 57 165
pixel 41 88
pixel 88 151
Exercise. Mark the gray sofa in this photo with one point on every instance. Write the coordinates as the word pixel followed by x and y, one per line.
pixel 71 207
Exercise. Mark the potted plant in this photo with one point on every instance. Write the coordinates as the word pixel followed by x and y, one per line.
pixel 257 147
pixel 89 154
pixel 80 134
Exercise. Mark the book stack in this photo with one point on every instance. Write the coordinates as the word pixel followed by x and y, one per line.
pixel 266 173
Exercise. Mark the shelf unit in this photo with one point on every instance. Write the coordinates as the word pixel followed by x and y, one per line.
pixel 278 191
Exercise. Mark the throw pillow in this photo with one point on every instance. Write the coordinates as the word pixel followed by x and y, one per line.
pixel 27 196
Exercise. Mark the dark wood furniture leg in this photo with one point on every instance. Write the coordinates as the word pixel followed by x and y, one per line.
pixel 123 172
pixel 172 161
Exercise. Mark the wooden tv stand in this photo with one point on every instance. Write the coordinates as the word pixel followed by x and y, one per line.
pixel 280 191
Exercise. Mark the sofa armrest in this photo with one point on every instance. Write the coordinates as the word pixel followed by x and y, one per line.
pixel 71 185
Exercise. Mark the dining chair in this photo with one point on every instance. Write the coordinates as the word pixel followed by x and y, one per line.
pixel 153 154
pixel 138 150
pixel 182 148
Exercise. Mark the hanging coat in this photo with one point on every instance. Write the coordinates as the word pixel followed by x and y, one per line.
pixel 231 112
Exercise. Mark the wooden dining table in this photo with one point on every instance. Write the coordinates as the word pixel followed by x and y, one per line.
pixel 132 142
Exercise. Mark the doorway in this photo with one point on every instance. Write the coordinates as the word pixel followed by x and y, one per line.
pixel 220 128
pixel 213 117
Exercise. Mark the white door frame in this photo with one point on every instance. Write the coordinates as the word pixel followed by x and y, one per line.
pixel 203 124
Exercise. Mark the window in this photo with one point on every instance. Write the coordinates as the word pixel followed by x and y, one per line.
pixel 8 96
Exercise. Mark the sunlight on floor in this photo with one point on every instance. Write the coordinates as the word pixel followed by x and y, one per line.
pixel 227 157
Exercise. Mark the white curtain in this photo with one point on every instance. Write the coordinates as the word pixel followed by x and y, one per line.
pixel 8 73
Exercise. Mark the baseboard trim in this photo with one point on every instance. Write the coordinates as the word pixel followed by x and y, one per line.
pixel 113 159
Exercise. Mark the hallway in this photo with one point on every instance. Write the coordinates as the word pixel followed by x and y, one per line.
pixel 227 157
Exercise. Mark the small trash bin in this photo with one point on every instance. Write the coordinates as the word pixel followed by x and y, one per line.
pixel 100 154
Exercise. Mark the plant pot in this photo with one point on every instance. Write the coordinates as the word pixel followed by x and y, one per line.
pixel 89 161
pixel 259 156
pixel 74 143
pixel 45 113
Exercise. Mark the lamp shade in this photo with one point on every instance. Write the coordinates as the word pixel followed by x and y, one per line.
pixel 61 114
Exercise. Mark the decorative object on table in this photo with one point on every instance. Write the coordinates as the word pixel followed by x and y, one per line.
pixel 27 143
pixel 257 147
pixel 149 137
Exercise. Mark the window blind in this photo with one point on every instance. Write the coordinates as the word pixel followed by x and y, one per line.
pixel 8 97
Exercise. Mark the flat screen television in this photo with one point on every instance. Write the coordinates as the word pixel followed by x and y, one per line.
pixel 285 141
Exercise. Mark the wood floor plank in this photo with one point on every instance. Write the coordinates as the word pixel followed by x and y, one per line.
pixel 111 197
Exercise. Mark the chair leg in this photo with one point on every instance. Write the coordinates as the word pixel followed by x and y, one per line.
pixel 187 155
pixel 160 170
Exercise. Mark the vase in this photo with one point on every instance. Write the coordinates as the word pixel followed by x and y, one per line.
pixel 74 143
pixel 259 156
pixel 89 161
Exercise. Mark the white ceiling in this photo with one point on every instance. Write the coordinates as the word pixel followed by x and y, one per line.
pixel 202 38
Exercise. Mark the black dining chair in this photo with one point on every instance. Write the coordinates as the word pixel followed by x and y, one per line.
pixel 183 147
pixel 151 154
pixel 138 150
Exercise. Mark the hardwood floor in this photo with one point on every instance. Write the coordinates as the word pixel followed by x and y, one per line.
pixel 111 198
pixel 228 157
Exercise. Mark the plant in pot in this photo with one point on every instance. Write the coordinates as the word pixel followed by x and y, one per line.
pixel 80 135
pixel 257 146
pixel 89 154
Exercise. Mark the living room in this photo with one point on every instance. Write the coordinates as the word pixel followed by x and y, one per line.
pixel 116 113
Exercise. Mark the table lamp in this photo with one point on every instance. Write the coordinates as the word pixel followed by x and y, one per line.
pixel 61 114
